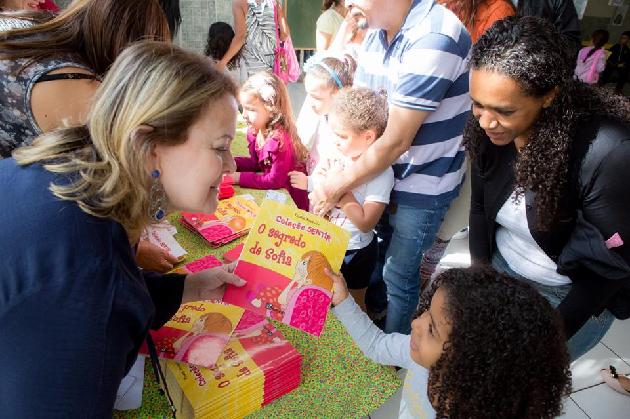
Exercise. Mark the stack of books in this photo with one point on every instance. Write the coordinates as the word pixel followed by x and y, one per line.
pixel 232 220
pixel 257 366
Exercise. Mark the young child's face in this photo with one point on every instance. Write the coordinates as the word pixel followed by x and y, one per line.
pixel 320 94
pixel 624 40
pixel 254 111
pixel 349 142
pixel 429 332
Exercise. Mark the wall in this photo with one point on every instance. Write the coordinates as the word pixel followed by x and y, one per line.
pixel 197 16
pixel 598 15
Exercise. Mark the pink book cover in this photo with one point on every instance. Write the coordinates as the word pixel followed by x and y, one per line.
pixel 283 261
pixel 231 220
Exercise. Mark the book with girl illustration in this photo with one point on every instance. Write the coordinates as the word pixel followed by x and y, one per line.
pixel 283 261
pixel 197 334
pixel 257 366
pixel 231 220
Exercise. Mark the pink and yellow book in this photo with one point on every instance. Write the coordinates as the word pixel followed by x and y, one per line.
pixel 283 261
pixel 231 220
pixel 256 367
pixel 197 333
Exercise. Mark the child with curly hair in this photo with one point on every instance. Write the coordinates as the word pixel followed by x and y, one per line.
pixel 274 146
pixel 358 117
pixel 483 345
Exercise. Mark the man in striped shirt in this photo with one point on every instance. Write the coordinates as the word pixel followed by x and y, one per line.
pixel 417 51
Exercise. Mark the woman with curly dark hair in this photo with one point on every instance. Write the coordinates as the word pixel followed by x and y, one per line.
pixel 482 346
pixel 550 158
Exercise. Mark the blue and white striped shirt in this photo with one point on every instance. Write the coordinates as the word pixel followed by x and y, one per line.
pixel 424 68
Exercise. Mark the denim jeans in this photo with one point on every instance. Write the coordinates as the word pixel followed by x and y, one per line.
pixel 376 294
pixel 412 233
pixel 589 334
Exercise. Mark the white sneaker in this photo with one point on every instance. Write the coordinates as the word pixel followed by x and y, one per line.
pixel 462 234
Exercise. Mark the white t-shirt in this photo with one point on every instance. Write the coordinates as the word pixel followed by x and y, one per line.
pixel 316 135
pixel 520 250
pixel 376 190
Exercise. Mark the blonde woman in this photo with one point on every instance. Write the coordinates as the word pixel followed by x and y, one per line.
pixel 74 308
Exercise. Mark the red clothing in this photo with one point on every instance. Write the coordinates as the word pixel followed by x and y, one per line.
pixel 487 13
pixel 268 167
pixel 49 5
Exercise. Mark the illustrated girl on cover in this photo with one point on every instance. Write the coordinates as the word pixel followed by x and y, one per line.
pixel 203 344
pixel 310 270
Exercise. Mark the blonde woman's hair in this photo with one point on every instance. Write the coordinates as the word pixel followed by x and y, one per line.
pixel 272 92
pixel 151 83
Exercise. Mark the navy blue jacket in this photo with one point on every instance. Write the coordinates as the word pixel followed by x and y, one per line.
pixel 74 307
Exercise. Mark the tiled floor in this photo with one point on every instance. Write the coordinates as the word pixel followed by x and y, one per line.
pixel 591 398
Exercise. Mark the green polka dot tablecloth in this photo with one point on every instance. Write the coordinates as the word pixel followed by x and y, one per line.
pixel 337 380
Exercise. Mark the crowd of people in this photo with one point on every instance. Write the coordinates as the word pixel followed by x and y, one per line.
pixel 422 117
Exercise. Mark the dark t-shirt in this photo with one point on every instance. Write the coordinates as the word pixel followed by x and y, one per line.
pixel 74 307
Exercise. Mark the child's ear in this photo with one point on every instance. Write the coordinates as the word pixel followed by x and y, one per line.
pixel 370 136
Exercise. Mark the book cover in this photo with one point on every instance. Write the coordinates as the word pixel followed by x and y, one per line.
pixel 256 367
pixel 197 333
pixel 231 220
pixel 283 261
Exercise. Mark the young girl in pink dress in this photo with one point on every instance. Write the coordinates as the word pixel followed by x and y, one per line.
pixel 274 146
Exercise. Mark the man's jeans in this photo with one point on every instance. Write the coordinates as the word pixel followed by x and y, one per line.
pixel 406 233
pixel 584 339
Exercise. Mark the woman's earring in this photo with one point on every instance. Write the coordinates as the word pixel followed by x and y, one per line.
pixel 157 198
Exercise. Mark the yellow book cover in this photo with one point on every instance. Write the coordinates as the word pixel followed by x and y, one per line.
pixel 197 333
pixel 257 366
pixel 283 261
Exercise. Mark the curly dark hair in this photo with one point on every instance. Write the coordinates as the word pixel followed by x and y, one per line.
pixel 530 51
pixel 506 355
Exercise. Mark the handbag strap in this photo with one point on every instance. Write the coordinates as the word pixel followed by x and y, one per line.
pixel 279 43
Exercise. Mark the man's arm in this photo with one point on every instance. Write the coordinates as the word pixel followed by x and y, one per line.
pixel 402 126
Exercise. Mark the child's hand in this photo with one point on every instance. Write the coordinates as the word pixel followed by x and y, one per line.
pixel 298 180
pixel 340 288
pixel 236 176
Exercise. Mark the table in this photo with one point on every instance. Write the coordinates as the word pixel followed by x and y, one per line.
pixel 337 380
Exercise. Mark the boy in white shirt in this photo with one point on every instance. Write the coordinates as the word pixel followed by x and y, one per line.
pixel 358 117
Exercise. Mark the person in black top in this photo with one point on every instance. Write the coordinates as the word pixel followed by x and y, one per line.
pixel 618 62
pixel 562 14
pixel 74 307
pixel 550 155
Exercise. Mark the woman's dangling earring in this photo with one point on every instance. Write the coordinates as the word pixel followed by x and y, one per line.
pixel 157 198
